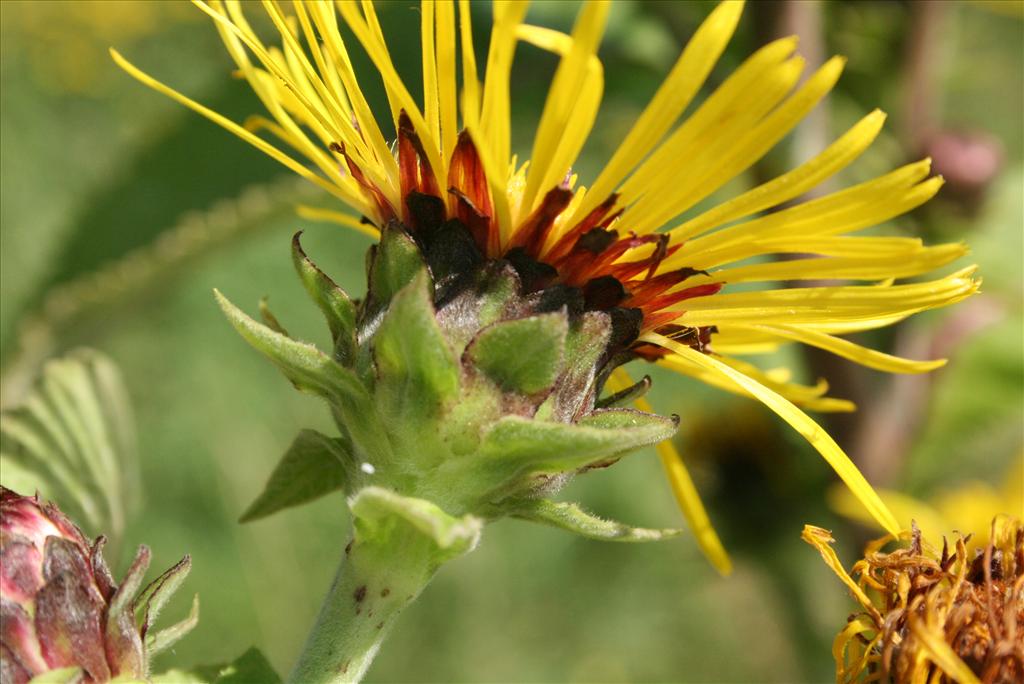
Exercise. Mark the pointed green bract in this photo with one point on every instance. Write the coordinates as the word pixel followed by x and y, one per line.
pixel 516 443
pixel 313 466
pixel 523 355
pixel 313 371
pixel 394 264
pixel 165 638
pixel 417 372
pixel 626 396
pixel 572 518
pixel 332 301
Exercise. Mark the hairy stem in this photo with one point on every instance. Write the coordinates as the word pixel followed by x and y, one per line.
pixel 374 583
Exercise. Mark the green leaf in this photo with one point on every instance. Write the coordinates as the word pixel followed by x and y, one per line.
pixel 269 319
pixel 522 355
pixel 313 371
pixel 382 517
pixel 313 466
pixel 336 306
pixel 251 667
pixel 395 263
pixel 417 372
pixel 73 440
pixel 515 447
pixel 570 517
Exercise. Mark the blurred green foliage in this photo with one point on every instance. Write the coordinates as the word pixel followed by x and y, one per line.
pixel 94 166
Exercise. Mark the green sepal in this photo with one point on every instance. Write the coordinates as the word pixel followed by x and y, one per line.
pixel 251 667
pixel 626 396
pixel 383 518
pixel 394 263
pixel 313 466
pixel 572 518
pixel 517 447
pixel 584 345
pixel 417 372
pixel 269 319
pixel 332 301
pixel 311 370
pixel 165 638
pixel 151 601
pixel 523 355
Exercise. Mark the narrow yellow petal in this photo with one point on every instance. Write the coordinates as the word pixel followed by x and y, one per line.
pixel 906 509
pixel 854 352
pixel 341 218
pixel 431 101
pixel 792 184
pixel 470 82
pixel 801 422
pixel 495 118
pixel 367 30
pixel 822 540
pixel 810 398
pixel 231 126
pixel 684 491
pixel 737 154
pixel 746 95
pixel 565 111
pixel 673 96
pixel 898 259
pixel 448 106
pixel 824 305
pixel 876 200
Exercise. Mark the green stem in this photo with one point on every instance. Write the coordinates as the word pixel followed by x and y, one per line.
pixel 374 583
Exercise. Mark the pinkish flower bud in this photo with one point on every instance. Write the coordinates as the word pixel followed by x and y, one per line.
pixel 59 605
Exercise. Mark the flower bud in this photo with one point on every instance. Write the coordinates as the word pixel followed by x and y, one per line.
pixel 60 606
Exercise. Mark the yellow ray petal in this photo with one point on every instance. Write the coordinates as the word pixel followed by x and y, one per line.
pixel 891 189
pixel 825 305
pixel 822 540
pixel 746 94
pixel 657 192
pixel 231 126
pixel 683 489
pixel 810 398
pixel 792 184
pixel 906 509
pixel 896 262
pixel 431 101
pixel 341 218
pixel 367 30
pixel 448 106
pixel 854 352
pixel 566 115
pixel 470 83
pixel 800 421
pixel 673 96
pixel 495 118
pixel 740 152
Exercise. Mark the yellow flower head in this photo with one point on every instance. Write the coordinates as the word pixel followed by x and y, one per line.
pixel 621 241
pixel 931 616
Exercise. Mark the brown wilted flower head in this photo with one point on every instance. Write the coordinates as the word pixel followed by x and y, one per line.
pixel 933 617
